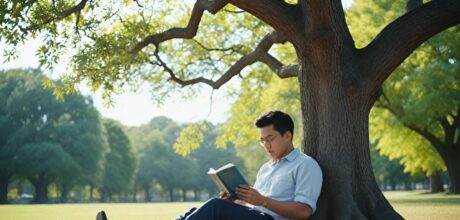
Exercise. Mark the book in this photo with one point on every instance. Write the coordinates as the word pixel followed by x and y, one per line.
pixel 228 178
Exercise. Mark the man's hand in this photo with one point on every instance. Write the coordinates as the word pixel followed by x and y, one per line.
pixel 249 195
pixel 225 196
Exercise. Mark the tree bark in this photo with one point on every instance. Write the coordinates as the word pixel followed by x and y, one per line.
pixel 91 190
pixel 64 193
pixel 184 195
pixel 171 194
pixel 134 193
pixel 41 189
pixel 147 193
pixel 335 110
pixel 436 184
pixel 4 191
pixel 453 169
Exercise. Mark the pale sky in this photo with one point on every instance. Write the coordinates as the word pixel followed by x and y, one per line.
pixel 134 109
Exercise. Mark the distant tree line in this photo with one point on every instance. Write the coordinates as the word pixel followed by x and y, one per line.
pixel 65 145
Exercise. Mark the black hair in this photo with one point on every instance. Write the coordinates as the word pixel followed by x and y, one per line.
pixel 281 121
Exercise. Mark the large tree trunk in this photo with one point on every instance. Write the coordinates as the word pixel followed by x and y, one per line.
pixel 4 191
pixel 335 121
pixel 41 189
pixel 147 193
pixel 453 169
pixel 184 195
pixel 171 194
pixel 196 195
pixel 64 192
pixel 91 190
pixel 436 184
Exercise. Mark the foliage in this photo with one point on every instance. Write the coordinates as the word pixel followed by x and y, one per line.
pixel 120 162
pixel 99 40
pixel 420 91
pixel 40 128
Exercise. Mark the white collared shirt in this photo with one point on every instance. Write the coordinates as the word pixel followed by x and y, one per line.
pixel 294 178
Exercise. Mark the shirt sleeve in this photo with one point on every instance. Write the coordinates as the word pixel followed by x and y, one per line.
pixel 309 180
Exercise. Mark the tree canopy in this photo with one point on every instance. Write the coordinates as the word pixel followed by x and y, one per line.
pixel 38 128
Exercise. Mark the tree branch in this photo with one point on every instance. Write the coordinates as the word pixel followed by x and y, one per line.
pixel 401 37
pixel 70 11
pixel 187 32
pixel 283 71
pixel 283 17
pixel 437 144
pixel 260 53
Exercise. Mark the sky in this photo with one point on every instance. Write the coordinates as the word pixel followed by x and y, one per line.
pixel 137 108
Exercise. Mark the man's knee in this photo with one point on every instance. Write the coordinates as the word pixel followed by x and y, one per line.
pixel 217 203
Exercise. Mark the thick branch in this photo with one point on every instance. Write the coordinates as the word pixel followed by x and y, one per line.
pixel 435 142
pixel 70 11
pixel 283 71
pixel 400 38
pixel 448 131
pixel 61 15
pixel 259 54
pixel 187 32
pixel 283 17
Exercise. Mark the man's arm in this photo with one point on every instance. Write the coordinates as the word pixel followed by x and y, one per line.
pixel 295 210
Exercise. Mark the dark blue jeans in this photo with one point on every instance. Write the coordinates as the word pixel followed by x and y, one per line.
pixel 219 209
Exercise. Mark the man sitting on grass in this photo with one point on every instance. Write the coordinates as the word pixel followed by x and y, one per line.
pixel 287 186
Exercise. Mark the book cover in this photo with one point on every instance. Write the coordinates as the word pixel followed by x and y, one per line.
pixel 228 178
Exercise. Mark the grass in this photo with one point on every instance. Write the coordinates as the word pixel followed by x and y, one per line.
pixel 115 211
pixel 411 205
pixel 420 205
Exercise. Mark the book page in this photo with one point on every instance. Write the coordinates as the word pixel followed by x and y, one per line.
pixel 219 183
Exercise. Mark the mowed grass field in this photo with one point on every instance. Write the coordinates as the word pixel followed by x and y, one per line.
pixel 411 205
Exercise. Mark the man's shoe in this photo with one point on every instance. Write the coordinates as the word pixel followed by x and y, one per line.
pixel 101 216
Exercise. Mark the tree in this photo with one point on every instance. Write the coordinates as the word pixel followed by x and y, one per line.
pixel 338 82
pixel 46 136
pixel 388 171
pixel 120 162
pixel 422 97
pixel 9 82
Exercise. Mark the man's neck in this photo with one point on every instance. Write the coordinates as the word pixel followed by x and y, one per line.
pixel 289 150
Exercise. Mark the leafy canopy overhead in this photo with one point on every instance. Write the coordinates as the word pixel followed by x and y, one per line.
pixel 99 39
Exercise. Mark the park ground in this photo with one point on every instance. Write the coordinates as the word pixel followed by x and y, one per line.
pixel 411 205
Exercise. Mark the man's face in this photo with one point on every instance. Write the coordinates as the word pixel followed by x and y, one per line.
pixel 275 144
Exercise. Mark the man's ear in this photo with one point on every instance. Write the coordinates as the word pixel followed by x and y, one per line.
pixel 288 135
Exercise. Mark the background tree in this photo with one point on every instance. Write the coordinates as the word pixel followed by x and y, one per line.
pixel 388 172
pixel 422 96
pixel 338 81
pixel 9 82
pixel 50 132
pixel 119 162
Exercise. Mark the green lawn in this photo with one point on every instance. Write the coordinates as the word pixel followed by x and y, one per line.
pixel 411 205
pixel 419 205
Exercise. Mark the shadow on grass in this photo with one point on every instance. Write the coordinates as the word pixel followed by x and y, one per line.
pixel 427 198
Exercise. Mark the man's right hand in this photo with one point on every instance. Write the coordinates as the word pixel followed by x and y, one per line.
pixel 225 196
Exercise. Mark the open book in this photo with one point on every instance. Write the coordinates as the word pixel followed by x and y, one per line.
pixel 227 178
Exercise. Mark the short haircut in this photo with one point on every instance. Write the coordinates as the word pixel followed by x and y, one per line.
pixel 281 121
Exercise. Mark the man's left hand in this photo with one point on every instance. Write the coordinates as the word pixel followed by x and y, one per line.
pixel 249 195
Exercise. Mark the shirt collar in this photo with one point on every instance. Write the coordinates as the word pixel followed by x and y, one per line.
pixel 290 157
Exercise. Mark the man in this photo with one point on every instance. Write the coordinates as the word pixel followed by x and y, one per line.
pixel 287 186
